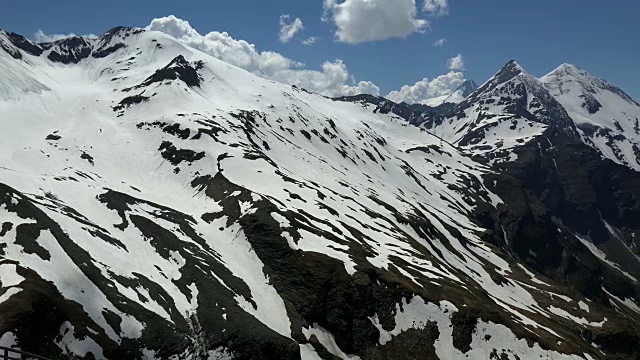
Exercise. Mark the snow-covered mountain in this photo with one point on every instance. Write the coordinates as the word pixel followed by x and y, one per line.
pixel 606 117
pixel 156 202
pixel 511 108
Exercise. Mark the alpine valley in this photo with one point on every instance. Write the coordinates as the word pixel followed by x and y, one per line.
pixel 159 203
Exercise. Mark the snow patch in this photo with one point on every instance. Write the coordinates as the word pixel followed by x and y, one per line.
pixel 328 341
pixel 70 345
pixel 9 340
pixel 563 313
pixel 583 306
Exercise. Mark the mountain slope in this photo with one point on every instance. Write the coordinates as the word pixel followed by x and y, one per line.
pixel 158 202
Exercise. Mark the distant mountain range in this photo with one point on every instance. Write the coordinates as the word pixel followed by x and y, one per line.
pixel 159 203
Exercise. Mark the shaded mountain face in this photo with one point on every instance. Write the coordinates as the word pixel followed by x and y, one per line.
pixel 156 202
pixel 465 89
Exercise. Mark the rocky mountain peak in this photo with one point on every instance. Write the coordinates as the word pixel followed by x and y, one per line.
pixel 512 66
pixel 511 70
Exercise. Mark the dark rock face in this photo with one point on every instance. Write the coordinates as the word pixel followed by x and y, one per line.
pixel 178 68
pixel 467 88
pixel 14 53
pixel 175 156
pixel 130 100
pixel 106 51
pixel 590 103
pixel 585 193
pixel 411 344
pixel 68 51
pixel 123 31
pixel 25 45
pixel 553 195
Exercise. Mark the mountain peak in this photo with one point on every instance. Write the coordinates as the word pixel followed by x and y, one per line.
pixel 510 70
pixel 513 62
pixel 569 67
pixel 568 76
pixel 569 70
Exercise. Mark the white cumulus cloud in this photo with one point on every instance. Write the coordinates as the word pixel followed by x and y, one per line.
pixel 456 62
pixel 436 7
pixel 424 89
pixel 363 87
pixel 332 79
pixel 439 42
pixel 359 21
pixel 289 30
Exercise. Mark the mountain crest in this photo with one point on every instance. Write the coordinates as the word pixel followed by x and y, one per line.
pixel 510 70
pixel 122 30
pixel 562 78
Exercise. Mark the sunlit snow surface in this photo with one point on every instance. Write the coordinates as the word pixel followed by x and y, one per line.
pixel 607 118
pixel 334 164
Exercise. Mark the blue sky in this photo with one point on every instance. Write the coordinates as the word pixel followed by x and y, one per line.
pixel 603 38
